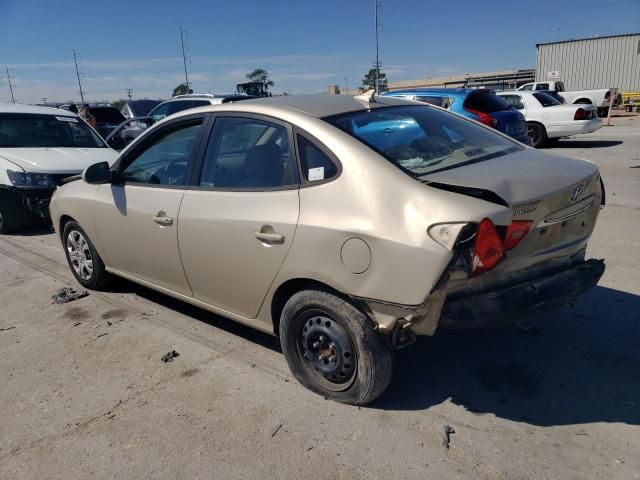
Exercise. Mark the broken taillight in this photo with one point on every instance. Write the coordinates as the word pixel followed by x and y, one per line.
pixel 488 250
pixel 516 232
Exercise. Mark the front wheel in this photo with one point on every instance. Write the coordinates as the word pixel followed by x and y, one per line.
pixel 86 265
pixel 537 134
pixel 333 349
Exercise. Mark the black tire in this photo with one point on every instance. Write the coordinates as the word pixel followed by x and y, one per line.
pixel 537 134
pixel 98 277
pixel 13 215
pixel 317 330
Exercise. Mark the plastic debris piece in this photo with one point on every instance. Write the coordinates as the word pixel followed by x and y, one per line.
pixel 68 294
pixel 102 334
pixel 169 356
pixel 446 438
pixel 276 430
pixel 6 328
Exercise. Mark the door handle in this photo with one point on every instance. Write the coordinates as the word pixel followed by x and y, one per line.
pixel 269 237
pixel 162 219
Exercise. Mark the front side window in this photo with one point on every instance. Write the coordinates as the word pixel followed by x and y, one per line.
pixel 247 153
pixel 542 86
pixel 165 160
pixel 316 165
pixel 22 130
pixel 423 140
pixel 528 86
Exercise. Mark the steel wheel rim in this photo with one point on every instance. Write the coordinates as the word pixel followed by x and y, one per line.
pixel 534 135
pixel 325 350
pixel 80 257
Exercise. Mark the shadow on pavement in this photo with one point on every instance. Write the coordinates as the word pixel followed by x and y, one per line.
pixel 572 143
pixel 121 285
pixel 580 365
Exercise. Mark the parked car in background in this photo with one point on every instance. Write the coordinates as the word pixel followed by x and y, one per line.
pixel 478 104
pixel 192 100
pixel 107 118
pixel 39 148
pixel 600 97
pixel 318 219
pixel 548 119
pixel 139 108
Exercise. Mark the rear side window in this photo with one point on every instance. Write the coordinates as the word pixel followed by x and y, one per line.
pixel 444 102
pixel 546 100
pixel 316 165
pixel 247 153
pixel 528 86
pixel 514 100
pixel 542 86
pixel 485 102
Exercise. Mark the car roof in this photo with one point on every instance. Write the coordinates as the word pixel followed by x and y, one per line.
pixel 323 105
pixel 21 108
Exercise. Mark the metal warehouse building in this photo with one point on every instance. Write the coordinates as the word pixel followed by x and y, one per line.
pixel 600 62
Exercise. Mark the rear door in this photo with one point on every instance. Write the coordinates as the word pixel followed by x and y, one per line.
pixel 237 225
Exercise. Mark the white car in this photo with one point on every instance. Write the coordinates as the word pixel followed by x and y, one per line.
pixel 600 97
pixel 39 148
pixel 548 119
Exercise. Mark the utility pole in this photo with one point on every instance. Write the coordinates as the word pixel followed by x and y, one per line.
pixel 377 64
pixel 76 55
pixel 183 33
pixel 10 84
pixel 129 93
pixel 44 100
pixel 346 85
pixel 558 36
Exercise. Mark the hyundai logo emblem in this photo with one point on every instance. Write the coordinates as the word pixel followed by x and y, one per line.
pixel 577 192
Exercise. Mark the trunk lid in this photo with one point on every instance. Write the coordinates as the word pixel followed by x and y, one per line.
pixel 560 195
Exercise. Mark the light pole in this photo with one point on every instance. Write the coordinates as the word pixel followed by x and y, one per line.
pixel 346 85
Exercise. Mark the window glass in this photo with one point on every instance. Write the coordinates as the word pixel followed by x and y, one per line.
pixel 514 100
pixel 528 86
pixel 432 100
pixel 316 165
pixel 542 86
pixel 423 140
pixel 247 153
pixel 485 102
pixel 35 130
pixel 546 100
pixel 166 160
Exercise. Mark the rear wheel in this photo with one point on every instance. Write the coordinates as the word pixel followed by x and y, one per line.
pixel 537 134
pixel 333 349
pixel 86 265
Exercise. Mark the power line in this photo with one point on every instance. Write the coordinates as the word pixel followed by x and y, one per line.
pixel 185 48
pixel 76 56
pixel 11 85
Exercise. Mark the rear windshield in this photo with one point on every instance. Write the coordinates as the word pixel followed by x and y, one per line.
pixel 33 130
pixel 546 100
pixel 141 108
pixel 485 102
pixel 422 139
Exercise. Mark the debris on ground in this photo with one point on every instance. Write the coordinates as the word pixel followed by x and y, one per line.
pixel 68 294
pixel 109 324
pixel 102 334
pixel 77 323
pixel 276 430
pixel 6 328
pixel 169 356
pixel 446 438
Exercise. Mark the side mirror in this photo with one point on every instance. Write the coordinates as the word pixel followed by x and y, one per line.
pixel 97 174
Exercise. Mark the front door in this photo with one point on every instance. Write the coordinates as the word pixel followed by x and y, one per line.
pixel 235 229
pixel 137 215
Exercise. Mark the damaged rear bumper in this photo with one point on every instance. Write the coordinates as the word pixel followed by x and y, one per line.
pixel 519 301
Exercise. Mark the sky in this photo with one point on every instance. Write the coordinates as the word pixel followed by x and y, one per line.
pixel 305 46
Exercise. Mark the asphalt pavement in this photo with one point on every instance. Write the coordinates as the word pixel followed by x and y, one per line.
pixel 84 393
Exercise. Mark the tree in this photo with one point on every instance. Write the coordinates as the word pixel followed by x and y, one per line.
pixel 262 76
pixel 369 81
pixel 181 90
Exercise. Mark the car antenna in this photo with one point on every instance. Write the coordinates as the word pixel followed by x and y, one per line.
pixel 367 97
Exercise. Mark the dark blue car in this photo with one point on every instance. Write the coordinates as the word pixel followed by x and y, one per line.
pixel 479 104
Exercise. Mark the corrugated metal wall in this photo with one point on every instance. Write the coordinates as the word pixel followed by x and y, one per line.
pixel 593 63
